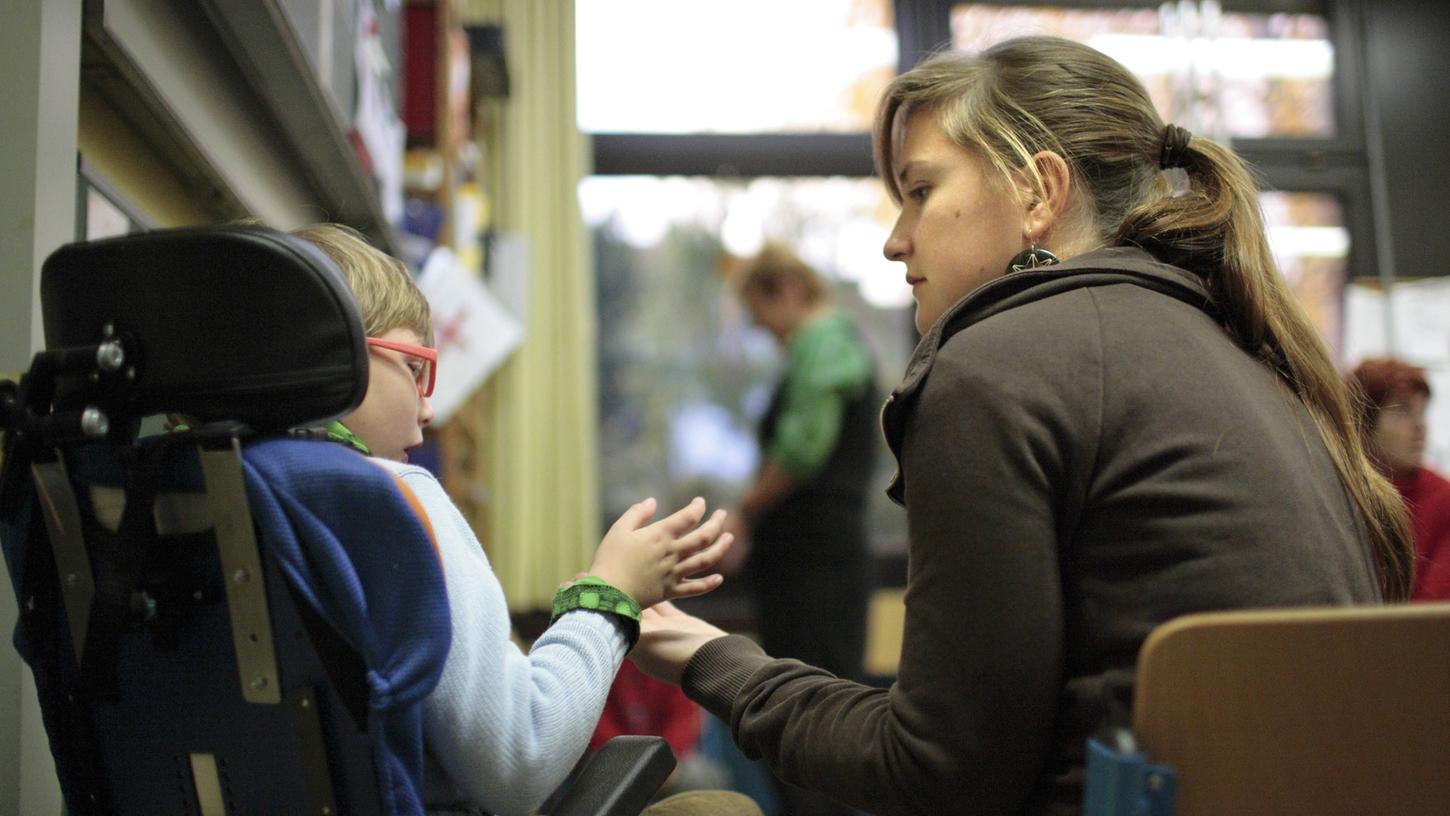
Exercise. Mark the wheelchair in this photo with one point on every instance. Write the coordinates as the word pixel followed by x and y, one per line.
pixel 233 617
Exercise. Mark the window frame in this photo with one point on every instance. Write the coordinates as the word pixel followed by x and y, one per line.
pixel 1338 165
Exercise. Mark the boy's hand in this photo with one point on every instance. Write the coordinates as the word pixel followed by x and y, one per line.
pixel 656 562
pixel 738 529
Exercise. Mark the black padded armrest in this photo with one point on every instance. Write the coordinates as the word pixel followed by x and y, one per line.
pixel 619 779
pixel 223 323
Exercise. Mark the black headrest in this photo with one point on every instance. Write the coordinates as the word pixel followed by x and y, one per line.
pixel 225 323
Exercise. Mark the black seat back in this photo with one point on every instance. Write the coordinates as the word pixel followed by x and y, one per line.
pixel 177 671
pixel 243 324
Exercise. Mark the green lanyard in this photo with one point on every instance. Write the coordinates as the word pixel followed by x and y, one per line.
pixel 338 432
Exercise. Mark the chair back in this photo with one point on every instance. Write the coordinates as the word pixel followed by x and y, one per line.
pixel 1309 711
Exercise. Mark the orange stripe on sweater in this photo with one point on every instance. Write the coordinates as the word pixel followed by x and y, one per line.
pixel 412 499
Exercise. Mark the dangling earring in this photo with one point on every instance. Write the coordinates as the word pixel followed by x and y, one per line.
pixel 1034 257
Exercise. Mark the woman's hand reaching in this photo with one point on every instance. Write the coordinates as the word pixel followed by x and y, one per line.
pixel 668 638
pixel 664 560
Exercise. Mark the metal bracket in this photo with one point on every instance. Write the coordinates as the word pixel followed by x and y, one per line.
pixel 72 563
pixel 204 774
pixel 226 497
pixel 314 752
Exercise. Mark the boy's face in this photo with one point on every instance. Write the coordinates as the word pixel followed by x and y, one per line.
pixel 392 415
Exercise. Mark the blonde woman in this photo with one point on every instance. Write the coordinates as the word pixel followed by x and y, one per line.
pixel 1117 414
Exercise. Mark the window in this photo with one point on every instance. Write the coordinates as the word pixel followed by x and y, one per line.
pixel 747 66
pixel 1311 244
pixel 103 211
pixel 1224 74
pixel 684 377
pixel 104 219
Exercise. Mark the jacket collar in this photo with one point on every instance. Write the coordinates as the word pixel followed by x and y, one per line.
pixel 1112 265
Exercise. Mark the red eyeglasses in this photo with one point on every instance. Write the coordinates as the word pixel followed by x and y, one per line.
pixel 425 375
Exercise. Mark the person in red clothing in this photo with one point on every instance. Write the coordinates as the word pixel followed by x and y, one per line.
pixel 1392 419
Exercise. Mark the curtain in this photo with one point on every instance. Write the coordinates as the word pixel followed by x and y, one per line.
pixel 541 444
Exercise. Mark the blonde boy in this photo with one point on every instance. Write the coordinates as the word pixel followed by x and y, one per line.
pixel 503 728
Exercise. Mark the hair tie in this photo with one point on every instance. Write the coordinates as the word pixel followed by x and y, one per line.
pixel 1175 147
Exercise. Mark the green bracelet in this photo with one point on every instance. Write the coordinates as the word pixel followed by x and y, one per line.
pixel 596 595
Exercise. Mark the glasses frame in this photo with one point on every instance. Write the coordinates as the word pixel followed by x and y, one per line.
pixel 421 352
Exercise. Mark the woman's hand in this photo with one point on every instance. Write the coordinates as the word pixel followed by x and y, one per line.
pixel 657 562
pixel 668 638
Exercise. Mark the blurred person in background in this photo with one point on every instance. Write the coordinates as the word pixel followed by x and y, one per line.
pixel 803 521
pixel 1394 395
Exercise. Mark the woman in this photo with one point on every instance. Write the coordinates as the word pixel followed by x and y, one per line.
pixel 803 520
pixel 1086 449
pixel 1393 398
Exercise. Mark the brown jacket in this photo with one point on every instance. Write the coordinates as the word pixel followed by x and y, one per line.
pixel 1083 454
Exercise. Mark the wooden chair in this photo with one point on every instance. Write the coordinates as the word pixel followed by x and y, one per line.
pixel 1305 711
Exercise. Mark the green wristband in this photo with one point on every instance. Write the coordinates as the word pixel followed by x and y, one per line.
pixel 595 595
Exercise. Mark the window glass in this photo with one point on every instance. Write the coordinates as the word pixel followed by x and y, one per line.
pixel 1311 244
pixel 665 66
pixel 104 219
pixel 1223 74
pixel 683 376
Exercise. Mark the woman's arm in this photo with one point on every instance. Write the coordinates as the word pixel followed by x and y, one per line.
pixel 997 446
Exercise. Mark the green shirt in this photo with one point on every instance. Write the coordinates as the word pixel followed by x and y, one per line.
pixel 826 368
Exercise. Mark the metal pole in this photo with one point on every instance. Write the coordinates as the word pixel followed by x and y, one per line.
pixel 1378 185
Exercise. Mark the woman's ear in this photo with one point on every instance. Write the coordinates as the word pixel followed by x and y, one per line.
pixel 1047 204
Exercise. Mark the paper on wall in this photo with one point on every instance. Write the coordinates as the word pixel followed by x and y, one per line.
pixel 472 329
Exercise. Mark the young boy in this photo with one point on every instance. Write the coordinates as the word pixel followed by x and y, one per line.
pixel 503 728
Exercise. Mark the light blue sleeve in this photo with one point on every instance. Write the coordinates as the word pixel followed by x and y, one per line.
pixel 503 726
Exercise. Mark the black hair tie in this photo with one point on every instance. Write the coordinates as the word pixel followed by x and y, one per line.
pixel 1175 147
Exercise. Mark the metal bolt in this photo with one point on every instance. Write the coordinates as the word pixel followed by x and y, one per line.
pixel 1155 782
pixel 196 595
pixel 94 376
pixel 110 355
pixel 241 576
pixel 131 373
pixel 71 579
pixel 259 682
pixel 94 423
pixel 306 703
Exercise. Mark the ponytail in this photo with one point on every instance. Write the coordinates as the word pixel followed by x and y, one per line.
pixel 1216 230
